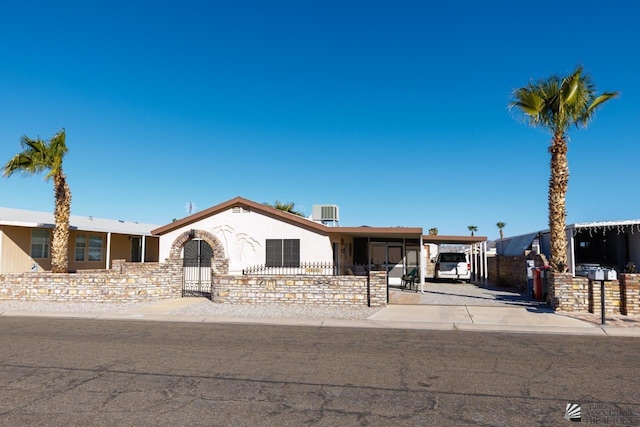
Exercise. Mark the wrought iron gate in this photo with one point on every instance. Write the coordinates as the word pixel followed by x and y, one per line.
pixel 196 280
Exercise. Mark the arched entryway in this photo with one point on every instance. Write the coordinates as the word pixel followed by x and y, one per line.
pixel 203 258
pixel 197 269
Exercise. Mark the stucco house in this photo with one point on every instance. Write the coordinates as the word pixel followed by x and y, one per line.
pixel 25 241
pixel 258 238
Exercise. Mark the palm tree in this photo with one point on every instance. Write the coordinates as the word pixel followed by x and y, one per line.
pixel 472 228
pixel 285 207
pixel 38 156
pixel 433 231
pixel 500 226
pixel 556 103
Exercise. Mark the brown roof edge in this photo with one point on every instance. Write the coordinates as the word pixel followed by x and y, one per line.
pixel 377 230
pixel 240 201
pixel 453 239
pixel 284 216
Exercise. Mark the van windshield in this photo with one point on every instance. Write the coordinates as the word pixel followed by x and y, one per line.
pixel 453 257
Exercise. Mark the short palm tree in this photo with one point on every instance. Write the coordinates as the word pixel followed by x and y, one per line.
pixel 473 228
pixel 38 156
pixel 433 231
pixel 500 226
pixel 557 103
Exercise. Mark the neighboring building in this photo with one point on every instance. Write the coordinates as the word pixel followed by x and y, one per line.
pixel 25 241
pixel 607 244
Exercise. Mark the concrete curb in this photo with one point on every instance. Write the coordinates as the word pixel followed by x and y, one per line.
pixel 586 329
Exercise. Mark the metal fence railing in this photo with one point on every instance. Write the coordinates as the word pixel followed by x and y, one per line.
pixel 308 269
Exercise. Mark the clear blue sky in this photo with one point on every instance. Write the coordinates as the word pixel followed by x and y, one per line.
pixel 394 111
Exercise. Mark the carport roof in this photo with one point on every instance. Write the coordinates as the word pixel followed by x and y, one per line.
pixel 456 240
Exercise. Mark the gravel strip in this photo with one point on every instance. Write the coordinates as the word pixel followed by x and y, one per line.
pixel 70 307
pixel 297 311
pixel 204 308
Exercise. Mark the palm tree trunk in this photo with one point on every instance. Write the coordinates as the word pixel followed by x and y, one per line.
pixel 60 241
pixel 558 184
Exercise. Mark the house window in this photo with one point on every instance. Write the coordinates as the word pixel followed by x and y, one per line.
pixel 283 253
pixel 95 248
pixel 81 246
pixel 40 242
pixel 92 252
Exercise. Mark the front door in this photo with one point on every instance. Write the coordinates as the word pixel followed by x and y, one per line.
pixel 197 269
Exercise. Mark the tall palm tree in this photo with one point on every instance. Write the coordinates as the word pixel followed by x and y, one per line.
pixel 39 156
pixel 557 103
pixel 473 228
pixel 285 207
pixel 500 226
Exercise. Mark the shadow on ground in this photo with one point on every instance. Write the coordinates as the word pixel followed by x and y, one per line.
pixel 458 293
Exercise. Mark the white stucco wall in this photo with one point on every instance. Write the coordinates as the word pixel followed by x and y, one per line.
pixel 243 236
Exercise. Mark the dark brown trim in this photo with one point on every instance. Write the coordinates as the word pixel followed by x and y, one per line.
pixel 287 217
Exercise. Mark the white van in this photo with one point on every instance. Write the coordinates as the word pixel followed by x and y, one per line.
pixel 452 265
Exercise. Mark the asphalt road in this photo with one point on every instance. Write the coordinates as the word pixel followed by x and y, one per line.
pixel 85 372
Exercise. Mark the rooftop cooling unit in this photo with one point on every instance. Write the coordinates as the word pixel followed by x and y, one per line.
pixel 325 213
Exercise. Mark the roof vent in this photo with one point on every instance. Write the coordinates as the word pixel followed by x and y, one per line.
pixel 326 214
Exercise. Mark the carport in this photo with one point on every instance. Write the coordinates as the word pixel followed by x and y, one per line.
pixel 477 250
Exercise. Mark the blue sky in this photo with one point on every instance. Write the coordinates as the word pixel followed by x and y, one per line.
pixel 394 111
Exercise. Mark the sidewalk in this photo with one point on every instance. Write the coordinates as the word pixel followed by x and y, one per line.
pixel 513 319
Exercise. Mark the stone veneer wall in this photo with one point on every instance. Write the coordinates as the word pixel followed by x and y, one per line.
pixel 630 294
pixel 492 269
pixel 125 282
pixel 568 293
pixel 611 297
pixel 579 294
pixel 512 270
pixel 299 289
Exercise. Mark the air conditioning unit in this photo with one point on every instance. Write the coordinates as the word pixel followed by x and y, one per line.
pixel 325 213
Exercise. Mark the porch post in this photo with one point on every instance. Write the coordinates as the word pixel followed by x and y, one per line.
pixel 572 245
pixel 108 257
pixel 422 267
pixel 484 260
pixel 144 242
pixel 474 263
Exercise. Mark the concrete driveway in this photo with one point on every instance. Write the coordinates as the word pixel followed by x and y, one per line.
pixel 462 294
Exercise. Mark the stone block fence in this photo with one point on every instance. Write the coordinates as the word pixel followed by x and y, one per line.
pixel 141 282
pixel 301 289
pixel 511 271
pixel 125 282
pixel 579 294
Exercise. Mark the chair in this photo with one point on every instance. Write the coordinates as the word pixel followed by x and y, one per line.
pixel 410 279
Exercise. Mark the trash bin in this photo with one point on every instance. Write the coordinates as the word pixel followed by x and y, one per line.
pixel 530 268
pixel 544 279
